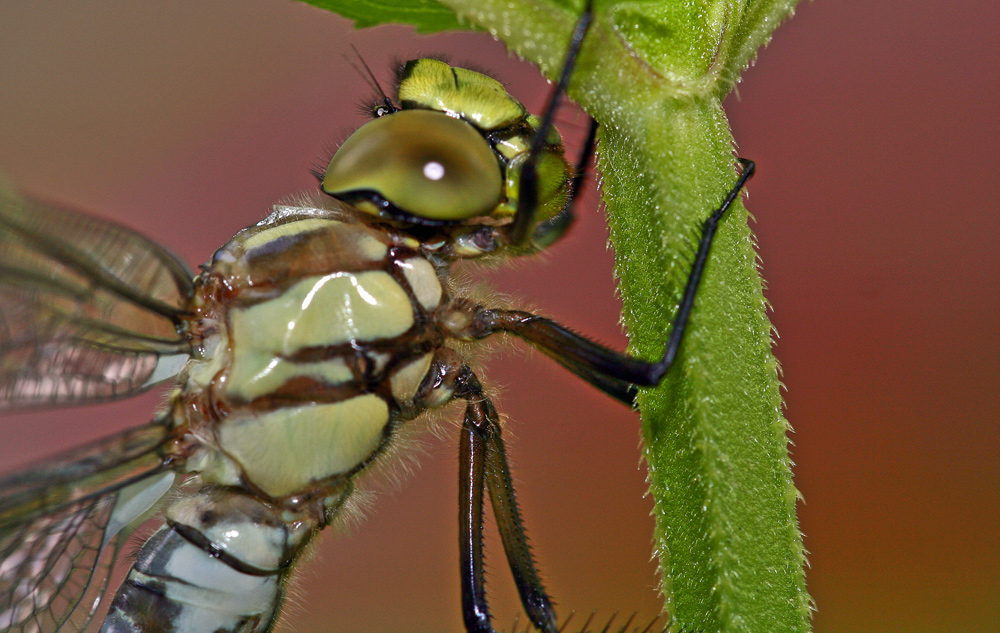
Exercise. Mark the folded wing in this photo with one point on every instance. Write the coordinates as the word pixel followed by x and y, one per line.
pixel 63 522
pixel 88 309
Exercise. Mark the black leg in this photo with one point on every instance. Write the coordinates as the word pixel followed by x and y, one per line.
pixel 583 160
pixel 612 372
pixel 621 390
pixel 483 460
pixel 694 278
pixel 475 610
pixel 527 192
pixel 508 517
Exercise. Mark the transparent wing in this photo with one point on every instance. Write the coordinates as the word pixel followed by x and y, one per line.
pixel 87 308
pixel 63 523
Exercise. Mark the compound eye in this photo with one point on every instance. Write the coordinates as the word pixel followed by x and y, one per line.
pixel 424 163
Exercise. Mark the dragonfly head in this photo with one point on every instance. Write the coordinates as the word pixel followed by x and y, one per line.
pixel 449 156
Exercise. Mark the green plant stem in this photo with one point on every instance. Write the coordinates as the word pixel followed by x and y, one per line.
pixel 726 535
pixel 715 441
pixel 654 75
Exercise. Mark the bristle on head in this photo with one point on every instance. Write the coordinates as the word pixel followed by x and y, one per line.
pixel 382 103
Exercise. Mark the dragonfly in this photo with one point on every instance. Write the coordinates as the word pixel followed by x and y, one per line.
pixel 297 358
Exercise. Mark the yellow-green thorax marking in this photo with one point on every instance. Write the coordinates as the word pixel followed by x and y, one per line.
pixel 322 331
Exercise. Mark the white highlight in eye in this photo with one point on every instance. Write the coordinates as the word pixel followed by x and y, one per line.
pixel 434 170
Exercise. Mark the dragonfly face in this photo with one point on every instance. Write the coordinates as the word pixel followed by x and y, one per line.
pixel 298 354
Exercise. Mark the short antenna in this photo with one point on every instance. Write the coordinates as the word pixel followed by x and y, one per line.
pixel 366 73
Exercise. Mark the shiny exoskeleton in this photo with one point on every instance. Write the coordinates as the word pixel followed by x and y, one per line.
pixel 299 354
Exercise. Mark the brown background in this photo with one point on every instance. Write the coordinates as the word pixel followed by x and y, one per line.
pixel 875 129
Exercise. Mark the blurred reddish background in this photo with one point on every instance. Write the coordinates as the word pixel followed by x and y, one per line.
pixel 875 130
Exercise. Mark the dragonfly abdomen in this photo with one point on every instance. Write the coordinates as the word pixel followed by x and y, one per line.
pixel 217 564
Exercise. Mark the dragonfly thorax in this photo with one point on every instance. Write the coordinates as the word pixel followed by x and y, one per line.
pixel 324 332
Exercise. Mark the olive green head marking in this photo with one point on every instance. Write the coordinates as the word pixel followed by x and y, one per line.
pixel 466 94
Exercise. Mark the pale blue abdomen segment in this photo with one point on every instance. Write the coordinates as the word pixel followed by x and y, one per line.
pixel 173 581
pixel 217 565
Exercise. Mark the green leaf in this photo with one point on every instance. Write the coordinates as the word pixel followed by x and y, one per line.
pixel 654 75
pixel 426 15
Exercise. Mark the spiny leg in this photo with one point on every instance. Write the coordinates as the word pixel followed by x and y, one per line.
pixel 483 462
pixel 475 610
pixel 708 229
pixel 583 163
pixel 527 192
pixel 614 373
